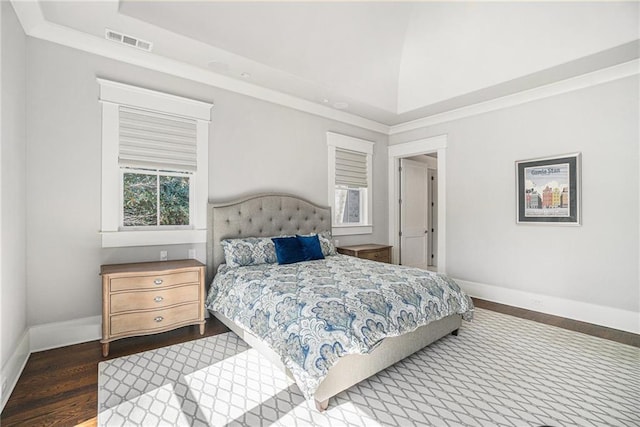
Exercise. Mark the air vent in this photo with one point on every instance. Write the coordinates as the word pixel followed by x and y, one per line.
pixel 128 40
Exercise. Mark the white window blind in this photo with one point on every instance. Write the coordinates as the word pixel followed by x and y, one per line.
pixel 157 141
pixel 351 168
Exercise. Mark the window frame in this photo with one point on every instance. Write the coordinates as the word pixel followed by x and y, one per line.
pixel 112 96
pixel 334 141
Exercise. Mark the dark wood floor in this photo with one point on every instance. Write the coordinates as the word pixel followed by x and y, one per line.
pixel 60 386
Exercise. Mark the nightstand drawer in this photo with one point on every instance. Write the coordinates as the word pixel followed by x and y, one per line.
pixel 381 256
pixel 155 319
pixel 143 300
pixel 153 281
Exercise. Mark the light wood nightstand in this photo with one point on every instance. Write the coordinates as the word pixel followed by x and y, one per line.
pixel 370 251
pixel 150 297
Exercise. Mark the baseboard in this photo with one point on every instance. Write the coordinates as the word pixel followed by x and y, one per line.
pixel 624 320
pixel 12 370
pixel 60 334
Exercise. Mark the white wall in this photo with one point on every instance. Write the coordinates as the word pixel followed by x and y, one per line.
pixel 596 263
pixel 13 281
pixel 253 146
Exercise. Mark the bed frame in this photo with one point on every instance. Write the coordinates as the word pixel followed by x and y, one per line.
pixel 275 214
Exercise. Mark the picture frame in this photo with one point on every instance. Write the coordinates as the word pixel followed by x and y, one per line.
pixel 548 190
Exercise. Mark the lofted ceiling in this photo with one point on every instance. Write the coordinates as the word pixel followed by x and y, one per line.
pixel 389 62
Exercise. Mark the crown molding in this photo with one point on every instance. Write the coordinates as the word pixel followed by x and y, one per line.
pixel 35 25
pixel 594 78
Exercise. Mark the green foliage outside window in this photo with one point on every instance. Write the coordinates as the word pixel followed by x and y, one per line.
pixel 140 200
pixel 174 200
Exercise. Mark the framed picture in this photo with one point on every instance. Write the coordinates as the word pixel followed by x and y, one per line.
pixel 548 190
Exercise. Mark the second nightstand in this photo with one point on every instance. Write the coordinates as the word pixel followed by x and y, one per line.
pixel 370 251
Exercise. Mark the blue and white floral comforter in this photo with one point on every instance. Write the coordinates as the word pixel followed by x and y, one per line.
pixel 311 313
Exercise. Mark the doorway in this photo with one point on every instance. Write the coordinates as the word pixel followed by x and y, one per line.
pixel 437 145
pixel 418 211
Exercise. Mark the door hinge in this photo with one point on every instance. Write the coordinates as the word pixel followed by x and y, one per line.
pixel 400 169
pixel 400 233
pixel 432 256
pixel 400 201
pixel 432 178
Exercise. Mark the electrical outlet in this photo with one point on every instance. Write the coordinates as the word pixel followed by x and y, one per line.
pixel 163 255
pixel 192 254
pixel 336 242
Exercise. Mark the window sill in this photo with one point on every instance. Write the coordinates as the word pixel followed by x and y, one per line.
pixel 118 239
pixel 347 230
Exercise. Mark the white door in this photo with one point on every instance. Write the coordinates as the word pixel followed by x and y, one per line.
pixel 413 214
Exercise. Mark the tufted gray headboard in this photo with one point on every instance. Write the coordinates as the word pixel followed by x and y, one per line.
pixel 261 215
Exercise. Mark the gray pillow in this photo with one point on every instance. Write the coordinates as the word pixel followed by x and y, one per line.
pixel 249 251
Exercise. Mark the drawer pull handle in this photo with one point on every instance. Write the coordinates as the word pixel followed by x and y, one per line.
pixel 159 319
pixel 158 299
pixel 158 281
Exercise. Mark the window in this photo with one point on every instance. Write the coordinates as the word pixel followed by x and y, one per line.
pixel 154 167
pixel 157 156
pixel 350 184
pixel 348 202
pixel 350 187
pixel 152 198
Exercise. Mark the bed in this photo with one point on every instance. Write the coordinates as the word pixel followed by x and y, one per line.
pixel 326 347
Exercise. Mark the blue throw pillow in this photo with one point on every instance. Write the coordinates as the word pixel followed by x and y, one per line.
pixel 310 247
pixel 288 250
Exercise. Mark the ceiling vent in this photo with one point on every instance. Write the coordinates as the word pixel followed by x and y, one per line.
pixel 117 37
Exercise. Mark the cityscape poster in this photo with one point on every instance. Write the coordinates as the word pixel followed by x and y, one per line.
pixel 548 190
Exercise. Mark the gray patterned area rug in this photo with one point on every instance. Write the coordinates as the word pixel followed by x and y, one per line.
pixel 500 371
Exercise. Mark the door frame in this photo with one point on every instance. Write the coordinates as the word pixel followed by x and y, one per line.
pixel 436 144
pixel 432 175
